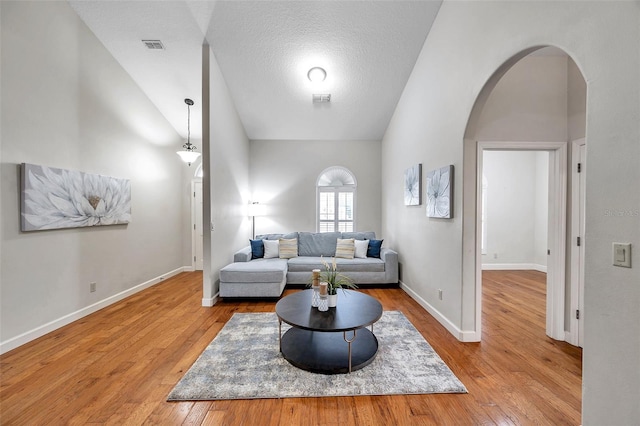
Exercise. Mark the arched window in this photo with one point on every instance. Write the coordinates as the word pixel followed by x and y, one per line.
pixel 336 200
pixel 199 171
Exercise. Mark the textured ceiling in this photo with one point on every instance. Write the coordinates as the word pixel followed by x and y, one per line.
pixel 264 49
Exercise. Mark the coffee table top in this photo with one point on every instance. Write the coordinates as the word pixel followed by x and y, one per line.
pixel 354 310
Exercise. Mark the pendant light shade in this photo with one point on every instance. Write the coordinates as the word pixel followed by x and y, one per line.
pixel 189 153
pixel 188 156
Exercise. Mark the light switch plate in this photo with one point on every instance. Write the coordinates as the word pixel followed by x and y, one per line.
pixel 622 254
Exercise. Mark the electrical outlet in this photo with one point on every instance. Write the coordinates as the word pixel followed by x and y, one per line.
pixel 440 294
pixel 92 287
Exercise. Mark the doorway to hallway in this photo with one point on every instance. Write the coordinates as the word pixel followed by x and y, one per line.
pixel 556 228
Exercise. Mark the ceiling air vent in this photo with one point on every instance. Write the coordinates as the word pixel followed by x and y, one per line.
pixel 153 44
pixel 318 99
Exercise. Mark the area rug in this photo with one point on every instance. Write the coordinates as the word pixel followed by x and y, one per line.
pixel 244 362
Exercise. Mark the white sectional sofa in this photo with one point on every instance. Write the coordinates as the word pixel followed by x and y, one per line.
pixel 253 276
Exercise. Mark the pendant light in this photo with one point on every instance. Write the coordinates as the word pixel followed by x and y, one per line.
pixel 188 154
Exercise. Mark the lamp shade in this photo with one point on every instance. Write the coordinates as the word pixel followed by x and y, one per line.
pixel 255 209
pixel 188 156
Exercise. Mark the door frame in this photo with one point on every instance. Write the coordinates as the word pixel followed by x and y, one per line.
pixel 557 235
pixel 194 232
pixel 576 277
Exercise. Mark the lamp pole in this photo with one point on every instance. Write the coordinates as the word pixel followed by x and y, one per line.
pixel 253 227
pixel 252 212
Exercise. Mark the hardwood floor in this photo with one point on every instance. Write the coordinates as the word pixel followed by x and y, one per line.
pixel 118 365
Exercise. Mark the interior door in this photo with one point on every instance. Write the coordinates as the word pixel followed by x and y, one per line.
pixel 197 226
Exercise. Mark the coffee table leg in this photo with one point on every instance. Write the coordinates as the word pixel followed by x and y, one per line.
pixel 280 333
pixel 344 336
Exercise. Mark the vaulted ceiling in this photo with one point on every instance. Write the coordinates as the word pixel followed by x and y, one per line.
pixel 264 50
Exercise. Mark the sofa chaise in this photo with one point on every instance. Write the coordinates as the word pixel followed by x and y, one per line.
pixel 259 271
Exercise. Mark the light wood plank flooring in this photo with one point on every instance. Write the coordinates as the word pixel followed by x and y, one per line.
pixel 118 365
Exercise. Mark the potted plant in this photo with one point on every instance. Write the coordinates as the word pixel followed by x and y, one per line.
pixel 334 280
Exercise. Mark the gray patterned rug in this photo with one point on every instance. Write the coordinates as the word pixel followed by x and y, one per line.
pixel 244 362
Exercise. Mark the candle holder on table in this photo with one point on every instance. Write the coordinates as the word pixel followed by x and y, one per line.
pixel 323 300
pixel 315 285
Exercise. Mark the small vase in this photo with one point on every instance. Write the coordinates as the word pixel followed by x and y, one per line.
pixel 333 300
pixel 323 303
pixel 315 296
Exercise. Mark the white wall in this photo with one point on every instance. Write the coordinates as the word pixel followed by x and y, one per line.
pixel 67 103
pixel 541 214
pixel 284 175
pixel 225 181
pixel 576 102
pixel 529 103
pixel 468 43
pixel 517 187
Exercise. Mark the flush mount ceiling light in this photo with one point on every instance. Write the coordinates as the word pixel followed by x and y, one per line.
pixel 316 74
pixel 188 154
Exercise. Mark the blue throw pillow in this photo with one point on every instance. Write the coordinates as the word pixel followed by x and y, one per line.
pixel 374 248
pixel 257 249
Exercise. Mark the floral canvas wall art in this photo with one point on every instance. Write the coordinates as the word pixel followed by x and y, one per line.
pixel 440 192
pixel 57 198
pixel 413 185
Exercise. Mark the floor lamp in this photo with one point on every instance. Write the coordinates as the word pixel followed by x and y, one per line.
pixel 253 212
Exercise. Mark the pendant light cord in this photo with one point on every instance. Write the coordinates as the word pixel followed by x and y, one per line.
pixel 188 145
pixel 189 125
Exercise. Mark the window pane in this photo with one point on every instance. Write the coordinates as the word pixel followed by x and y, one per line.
pixel 326 226
pixel 345 226
pixel 327 206
pixel 336 202
pixel 345 206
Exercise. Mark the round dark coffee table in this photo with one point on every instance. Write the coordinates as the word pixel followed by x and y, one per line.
pixel 331 342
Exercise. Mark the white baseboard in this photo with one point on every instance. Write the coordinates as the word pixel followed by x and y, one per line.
pixel 210 301
pixel 513 267
pixel 463 336
pixel 570 338
pixel 40 331
pixel 470 337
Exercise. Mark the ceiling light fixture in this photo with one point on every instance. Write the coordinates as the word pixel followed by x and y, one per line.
pixel 316 74
pixel 188 154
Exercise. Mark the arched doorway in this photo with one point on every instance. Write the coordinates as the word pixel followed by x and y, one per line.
pixel 538 128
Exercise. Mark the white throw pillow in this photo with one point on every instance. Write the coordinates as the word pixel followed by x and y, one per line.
pixel 271 249
pixel 361 248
